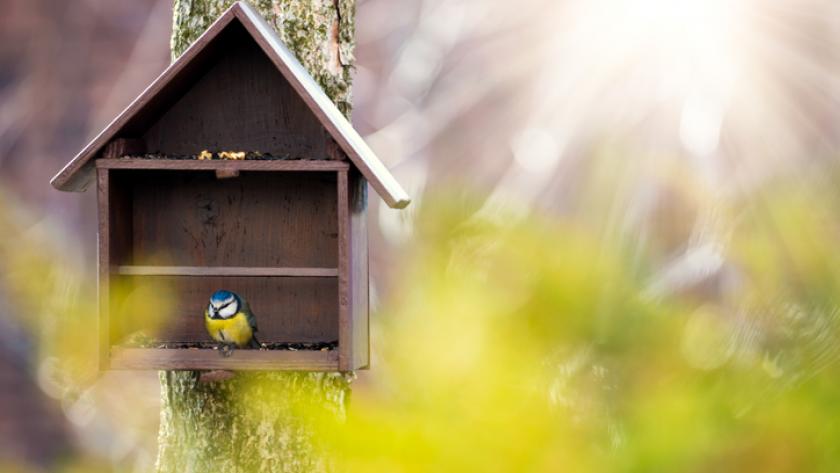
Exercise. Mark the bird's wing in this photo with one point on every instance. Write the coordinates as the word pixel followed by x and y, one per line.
pixel 252 320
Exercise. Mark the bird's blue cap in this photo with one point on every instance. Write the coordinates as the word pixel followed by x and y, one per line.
pixel 221 296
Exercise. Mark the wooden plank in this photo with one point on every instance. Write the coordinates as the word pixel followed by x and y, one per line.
pixel 104 250
pixel 123 146
pixel 214 165
pixel 242 103
pixel 345 321
pixel 206 359
pixel 334 151
pixel 359 277
pixel 131 270
pixel 281 220
pixel 121 243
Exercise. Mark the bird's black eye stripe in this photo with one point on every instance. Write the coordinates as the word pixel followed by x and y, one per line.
pixel 215 310
pixel 222 307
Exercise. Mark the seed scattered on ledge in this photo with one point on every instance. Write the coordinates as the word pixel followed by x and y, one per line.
pixel 206 155
pixel 139 340
pixel 232 155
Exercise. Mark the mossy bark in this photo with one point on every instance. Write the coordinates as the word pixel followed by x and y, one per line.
pixel 320 33
pixel 254 421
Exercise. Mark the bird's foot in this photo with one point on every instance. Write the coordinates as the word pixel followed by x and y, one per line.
pixel 226 349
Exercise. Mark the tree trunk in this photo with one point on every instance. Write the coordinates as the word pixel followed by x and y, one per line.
pixel 252 422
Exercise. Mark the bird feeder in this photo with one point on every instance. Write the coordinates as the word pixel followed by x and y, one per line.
pixel 235 165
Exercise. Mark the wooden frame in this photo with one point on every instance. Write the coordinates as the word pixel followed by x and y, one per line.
pixel 192 165
pixel 104 254
pixel 353 271
pixel 195 359
pixel 132 270
pixel 352 351
pixel 289 226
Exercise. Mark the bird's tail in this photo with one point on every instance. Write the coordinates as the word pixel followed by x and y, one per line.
pixel 254 343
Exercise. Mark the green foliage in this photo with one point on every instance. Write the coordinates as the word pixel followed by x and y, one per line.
pixel 536 347
pixel 49 295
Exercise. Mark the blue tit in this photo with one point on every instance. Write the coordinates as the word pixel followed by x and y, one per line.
pixel 229 320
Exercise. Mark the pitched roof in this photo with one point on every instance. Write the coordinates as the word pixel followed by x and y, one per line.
pixel 78 173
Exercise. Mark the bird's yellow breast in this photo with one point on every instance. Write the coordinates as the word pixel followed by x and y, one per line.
pixel 235 329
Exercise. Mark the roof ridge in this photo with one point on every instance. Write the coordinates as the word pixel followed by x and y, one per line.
pixel 78 173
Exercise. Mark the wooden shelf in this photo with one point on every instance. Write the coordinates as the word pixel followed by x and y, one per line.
pixel 226 271
pixel 208 359
pixel 223 164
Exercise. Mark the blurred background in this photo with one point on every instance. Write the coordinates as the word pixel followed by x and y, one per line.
pixel 621 242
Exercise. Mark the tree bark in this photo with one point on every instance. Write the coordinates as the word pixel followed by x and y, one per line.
pixel 253 422
pixel 320 32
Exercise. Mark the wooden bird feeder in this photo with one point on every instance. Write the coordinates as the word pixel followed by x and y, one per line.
pixel 282 221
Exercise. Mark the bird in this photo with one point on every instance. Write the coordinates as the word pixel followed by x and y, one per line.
pixel 230 322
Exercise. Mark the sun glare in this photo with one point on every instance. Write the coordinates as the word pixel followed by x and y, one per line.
pixel 680 55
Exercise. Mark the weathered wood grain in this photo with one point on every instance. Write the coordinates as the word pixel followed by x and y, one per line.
pixel 104 256
pixel 204 359
pixel 242 103
pixel 354 345
pixel 123 146
pixel 257 220
pixel 213 165
pixel 358 271
pixel 120 238
pixel 345 317
pixel 225 271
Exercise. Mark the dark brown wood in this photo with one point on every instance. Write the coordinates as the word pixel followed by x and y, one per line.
pixel 244 165
pixel 288 235
pixel 334 151
pixel 120 241
pixel 123 146
pixel 322 107
pixel 258 220
pixel 158 96
pixel 345 320
pixel 286 309
pixel 358 275
pixel 280 224
pixel 222 93
pixel 226 271
pixel 354 346
pixel 206 359
pixel 104 252
pixel 227 173
pixel 242 103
